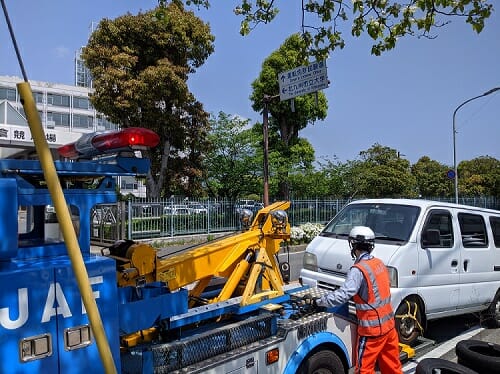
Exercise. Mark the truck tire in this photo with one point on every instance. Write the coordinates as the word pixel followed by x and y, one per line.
pixel 491 316
pixel 438 365
pixel 477 355
pixel 322 362
pixel 408 322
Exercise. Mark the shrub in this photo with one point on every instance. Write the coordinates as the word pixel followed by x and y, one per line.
pixel 303 234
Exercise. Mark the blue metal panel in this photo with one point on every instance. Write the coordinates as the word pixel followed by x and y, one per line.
pixel 309 345
pixel 25 290
pixel 8 210
pixel 42 297
pixel 102 276
pixel 111 166
pixel 145 307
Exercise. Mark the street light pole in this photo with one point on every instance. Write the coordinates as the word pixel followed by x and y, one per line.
pixel 455 166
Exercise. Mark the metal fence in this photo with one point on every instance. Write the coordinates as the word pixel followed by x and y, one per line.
pixel 151 219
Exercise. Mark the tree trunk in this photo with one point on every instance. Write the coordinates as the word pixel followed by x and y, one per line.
pixel 154 185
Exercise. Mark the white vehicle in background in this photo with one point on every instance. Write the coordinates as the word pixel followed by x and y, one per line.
pixel 197 208
pixel 443 259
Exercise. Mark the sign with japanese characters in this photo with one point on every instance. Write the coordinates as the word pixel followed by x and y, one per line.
pixel 21 136
pixel 303 80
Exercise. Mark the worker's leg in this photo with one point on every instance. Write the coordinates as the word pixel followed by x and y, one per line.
pixel 367 351
pixel 388 359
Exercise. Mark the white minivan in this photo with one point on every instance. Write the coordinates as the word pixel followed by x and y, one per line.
pixel 443 259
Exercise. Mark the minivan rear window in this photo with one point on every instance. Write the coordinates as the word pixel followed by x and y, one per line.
pixel 473 230
pixel 495 228
pixel 392 222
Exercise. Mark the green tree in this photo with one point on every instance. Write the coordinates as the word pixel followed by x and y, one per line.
pixel 479 177
pixel 232 167
pixel 282 119
pixel 140 65
pixel 431 178
pixel 380 172
pixel 385 21
pixel 295 163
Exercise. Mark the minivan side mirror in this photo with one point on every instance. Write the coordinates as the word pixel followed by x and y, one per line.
pixel 431 237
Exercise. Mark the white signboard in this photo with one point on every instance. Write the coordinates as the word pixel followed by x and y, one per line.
pixel 303 80
pixel 21 136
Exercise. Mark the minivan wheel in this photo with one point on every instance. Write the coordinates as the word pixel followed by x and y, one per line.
pixel 491 316
pixel 478 355
pixel 408 322
pixel 438 365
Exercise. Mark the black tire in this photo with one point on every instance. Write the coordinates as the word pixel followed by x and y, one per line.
pixel 322 362
pixel 431 365
pixel 483 357
pixel 408 322
pixel 491 316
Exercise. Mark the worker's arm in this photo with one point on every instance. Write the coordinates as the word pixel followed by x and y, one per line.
pixel 342 295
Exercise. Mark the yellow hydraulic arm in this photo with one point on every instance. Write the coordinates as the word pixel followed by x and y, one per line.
pixel 246 260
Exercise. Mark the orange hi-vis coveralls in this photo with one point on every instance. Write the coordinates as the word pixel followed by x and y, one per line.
pixel 377 337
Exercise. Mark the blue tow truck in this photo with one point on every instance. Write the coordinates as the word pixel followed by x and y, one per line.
pixel 158 314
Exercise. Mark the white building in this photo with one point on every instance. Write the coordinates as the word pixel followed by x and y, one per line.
pixel 65 112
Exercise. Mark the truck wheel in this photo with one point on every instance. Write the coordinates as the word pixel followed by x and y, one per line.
pixel 478 355
pixel 408 322
pixel 438 365
pixel 322 362
pixel 491 316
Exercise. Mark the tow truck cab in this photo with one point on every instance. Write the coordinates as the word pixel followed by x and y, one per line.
pixel 43 323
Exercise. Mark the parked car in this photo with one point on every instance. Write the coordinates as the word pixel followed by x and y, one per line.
pixel 197 208
pixel 252 205
pixel 176 210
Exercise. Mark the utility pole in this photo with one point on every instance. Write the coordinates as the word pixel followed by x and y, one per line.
pixel 265 130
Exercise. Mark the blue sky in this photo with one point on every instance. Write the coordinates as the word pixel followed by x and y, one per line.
pixel 404 99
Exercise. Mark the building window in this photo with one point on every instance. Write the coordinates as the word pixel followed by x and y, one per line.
pixel 104 124
pixel 7 94
pixel 38 96
pixel 58 100
pixel 83 122
pixel 59 119
pixel 81 103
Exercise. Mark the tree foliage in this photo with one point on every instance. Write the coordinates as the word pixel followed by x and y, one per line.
pixel 431 178
pixel 233 168
pixel 140 65
pixel 479 177
pixel 384 21
pixel 379 172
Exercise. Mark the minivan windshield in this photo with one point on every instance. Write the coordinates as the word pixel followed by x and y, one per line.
pixel 389 222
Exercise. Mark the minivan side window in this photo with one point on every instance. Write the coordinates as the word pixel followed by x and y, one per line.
pixel 438 230
pixel 473 230
pixel 495 228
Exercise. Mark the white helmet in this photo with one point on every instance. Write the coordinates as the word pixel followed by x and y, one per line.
pixel 362 238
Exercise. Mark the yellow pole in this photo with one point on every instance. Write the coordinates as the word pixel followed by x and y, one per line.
pixel 64 218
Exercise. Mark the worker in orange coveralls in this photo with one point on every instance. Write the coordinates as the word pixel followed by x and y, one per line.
pixel 368 284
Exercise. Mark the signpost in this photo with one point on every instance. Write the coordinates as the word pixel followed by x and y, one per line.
pixel 298 81
pixel 303 80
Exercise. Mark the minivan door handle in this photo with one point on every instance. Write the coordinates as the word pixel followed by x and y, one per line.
pixel 466 264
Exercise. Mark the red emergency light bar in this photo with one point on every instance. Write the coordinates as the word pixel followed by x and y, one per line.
pixel 109 142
